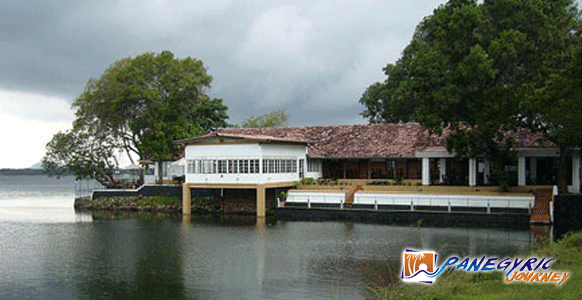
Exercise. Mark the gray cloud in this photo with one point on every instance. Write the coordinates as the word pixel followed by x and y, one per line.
pixel 314 58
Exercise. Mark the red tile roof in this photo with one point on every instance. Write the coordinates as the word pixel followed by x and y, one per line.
pixel 256 137
pixel 364 141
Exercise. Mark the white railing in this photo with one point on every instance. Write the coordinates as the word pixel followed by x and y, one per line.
pixel 414 200
pixel 316 198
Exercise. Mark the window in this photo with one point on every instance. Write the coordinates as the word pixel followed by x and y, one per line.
pixel 313 165
pixel 254 166
pixel 230 167
pixel 190 165
pixel 278 166
pixel 221 166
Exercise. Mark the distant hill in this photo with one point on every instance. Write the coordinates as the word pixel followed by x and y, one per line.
pixel 27 171
pixel 38 165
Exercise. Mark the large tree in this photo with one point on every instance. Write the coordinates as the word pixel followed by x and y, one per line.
pixel 469 67
pixel 145 103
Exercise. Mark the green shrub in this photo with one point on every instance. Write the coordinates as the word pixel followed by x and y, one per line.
pixel 307 180
pixel 159 200
pixel 202 201
pixel 283 196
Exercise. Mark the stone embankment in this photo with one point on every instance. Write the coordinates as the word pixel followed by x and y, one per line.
pixel 165 204
pixel 132 203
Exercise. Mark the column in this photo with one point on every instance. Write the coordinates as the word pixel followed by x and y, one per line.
pixel 575 173
pixel 521 171
pixel 472 171
pixel 186 199
pixel 425 171
pixel 261 201
pixel 486 171
pixel 442 169
pixel 533 169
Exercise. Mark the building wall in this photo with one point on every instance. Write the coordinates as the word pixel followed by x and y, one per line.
pixel 256 152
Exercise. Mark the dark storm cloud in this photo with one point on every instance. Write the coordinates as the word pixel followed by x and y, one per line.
pixel 312 58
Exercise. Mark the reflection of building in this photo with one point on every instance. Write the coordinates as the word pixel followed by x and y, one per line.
pixel 403 150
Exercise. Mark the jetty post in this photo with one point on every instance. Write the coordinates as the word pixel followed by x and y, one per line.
pixel 186 199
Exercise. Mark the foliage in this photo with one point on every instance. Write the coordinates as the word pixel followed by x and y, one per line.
pixel 559 106
pixel 277 118
pixel 469 67
pixel 283 195
pixel 82 153
pixel 143 104
pixel 205 201
pixel 307 180
pixel 398 178
pixel 159 200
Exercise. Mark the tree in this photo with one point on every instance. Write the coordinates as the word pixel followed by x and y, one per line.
pixel 79 152
pixel 468 68
pixel 559 106
pixel 277 118
pixel 145 103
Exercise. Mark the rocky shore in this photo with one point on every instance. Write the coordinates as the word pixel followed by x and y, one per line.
pixel 165 204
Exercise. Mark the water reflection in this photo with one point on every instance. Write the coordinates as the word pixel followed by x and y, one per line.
pixel 48 250
pixel 131 259
pixel 222 257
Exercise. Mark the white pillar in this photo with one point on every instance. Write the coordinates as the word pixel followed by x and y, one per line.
pixel 575 173
pixel 521 171
pixel 425 171
pixel 442 169
pixel 533 169
pixel 472 172
pixel 486 171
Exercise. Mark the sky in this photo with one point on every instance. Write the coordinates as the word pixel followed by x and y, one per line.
pixel 313 58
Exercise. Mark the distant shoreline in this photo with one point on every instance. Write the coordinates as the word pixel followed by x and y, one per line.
pixel 26 171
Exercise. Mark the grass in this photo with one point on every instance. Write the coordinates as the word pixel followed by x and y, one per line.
pixel 462 285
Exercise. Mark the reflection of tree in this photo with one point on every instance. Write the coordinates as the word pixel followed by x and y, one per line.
pixel 133 259
pixel 349 271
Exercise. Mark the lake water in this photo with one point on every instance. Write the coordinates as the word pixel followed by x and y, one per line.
pixel 49 251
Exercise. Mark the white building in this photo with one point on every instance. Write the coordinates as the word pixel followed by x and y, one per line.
pixel 237 159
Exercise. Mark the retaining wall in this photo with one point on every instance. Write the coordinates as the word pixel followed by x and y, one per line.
pixel 154 190
pixel 415 218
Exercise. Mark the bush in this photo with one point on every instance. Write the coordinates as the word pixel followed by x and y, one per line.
pixel 398 179
pixel 307 180
pixel 283 196
pixel 159 200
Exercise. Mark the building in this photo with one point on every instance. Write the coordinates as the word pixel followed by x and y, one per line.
pixel 278 156
pixel 375 151
pixel 231 158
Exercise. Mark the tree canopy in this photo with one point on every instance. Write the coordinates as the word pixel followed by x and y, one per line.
pixel 481 69
pixel 277 118
pixel 143 104
pixel 79 152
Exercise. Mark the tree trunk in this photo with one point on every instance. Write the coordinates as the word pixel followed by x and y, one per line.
pixel 160 172
pixel 563 171
pixel 104 180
